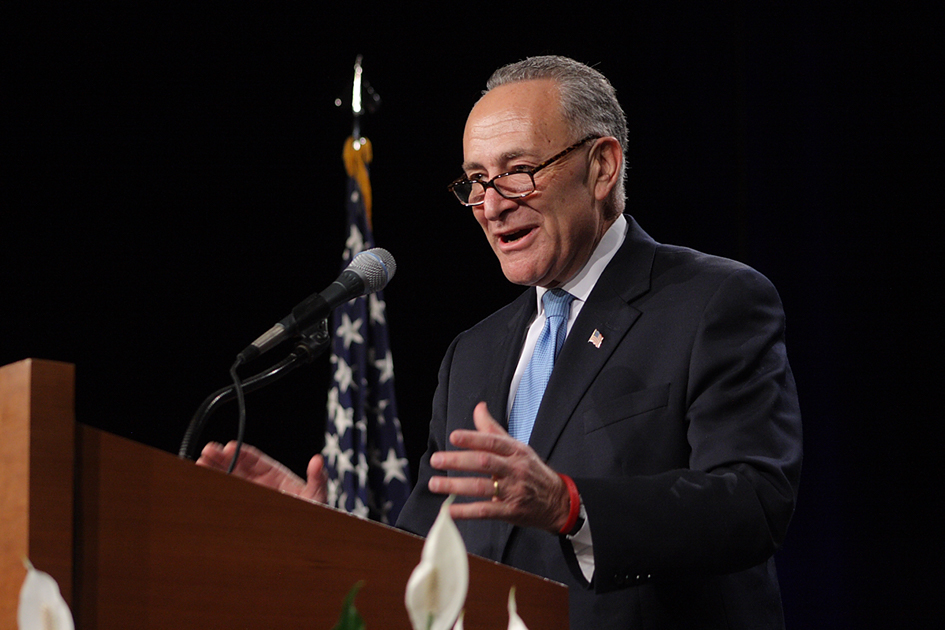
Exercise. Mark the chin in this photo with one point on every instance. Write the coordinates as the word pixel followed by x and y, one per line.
pixel 522 277
pixel 527 268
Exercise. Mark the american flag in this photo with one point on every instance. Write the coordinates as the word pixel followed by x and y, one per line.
pixel 364 447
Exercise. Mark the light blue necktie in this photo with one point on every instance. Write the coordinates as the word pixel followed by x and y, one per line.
pixel 557 303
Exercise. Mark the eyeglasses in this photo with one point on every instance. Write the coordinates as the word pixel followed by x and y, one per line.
pixel 512 185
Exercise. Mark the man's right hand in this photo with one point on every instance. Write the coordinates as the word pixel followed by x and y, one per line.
pixel 254 465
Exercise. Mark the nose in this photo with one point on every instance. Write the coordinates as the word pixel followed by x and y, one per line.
pixel 495 205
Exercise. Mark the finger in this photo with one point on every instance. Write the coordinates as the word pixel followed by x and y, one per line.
pixel 485 422
pixel 251 458
pixel 246 450
pixel 211 456
pixel 477 460
pixel 317 485
pixel 488 436
pixel 480 510
pixel 502 445
pixel 211 449
pixel 483 487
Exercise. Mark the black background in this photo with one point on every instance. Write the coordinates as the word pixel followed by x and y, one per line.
pixel 173 185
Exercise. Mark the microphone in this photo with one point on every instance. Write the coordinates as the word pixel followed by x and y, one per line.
pixel 369 272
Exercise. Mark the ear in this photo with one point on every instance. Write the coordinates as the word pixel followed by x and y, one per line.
pixel 607 158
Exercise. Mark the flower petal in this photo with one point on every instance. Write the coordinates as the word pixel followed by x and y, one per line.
pixel 41 604
pixel 515 622
pixel 436 590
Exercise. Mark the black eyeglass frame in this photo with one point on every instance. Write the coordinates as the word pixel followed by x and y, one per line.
pixel 486 184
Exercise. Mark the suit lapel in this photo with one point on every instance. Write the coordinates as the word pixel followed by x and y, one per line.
pixel 508 350
pixel 607 311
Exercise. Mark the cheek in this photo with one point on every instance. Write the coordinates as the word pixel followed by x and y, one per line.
pixel 581 225
pixel 480 218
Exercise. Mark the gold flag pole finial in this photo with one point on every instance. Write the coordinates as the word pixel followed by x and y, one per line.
pixel 356 107
pixel 357 152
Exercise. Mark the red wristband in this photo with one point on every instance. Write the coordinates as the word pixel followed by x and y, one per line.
pixel 575 499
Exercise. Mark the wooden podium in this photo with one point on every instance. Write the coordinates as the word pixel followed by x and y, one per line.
pixel 138 538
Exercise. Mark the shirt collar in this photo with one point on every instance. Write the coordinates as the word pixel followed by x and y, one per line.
pixel 583 282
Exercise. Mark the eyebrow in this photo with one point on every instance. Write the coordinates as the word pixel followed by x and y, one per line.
pixel 505 157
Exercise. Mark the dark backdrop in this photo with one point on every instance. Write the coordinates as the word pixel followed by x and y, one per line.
pixel 173 186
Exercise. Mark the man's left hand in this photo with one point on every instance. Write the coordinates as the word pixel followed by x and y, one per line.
pixel 517 487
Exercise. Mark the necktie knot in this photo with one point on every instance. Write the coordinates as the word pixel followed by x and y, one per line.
pixel 557 303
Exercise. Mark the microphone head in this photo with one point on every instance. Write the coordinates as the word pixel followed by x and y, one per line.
pixel 375 267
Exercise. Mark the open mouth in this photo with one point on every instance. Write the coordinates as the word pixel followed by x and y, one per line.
pixel 511 237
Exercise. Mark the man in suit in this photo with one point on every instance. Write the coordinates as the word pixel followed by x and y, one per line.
pixel 671 404
pixel 655 472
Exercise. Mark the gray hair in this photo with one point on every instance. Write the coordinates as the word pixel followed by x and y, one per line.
pixel 588 103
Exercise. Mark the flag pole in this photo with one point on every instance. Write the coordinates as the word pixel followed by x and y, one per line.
pixel 358 151
pixel 357 109
pixel 363 98
pixel 365 459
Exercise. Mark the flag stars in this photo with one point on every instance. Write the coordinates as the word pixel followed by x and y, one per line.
pixel 333 486
pixel 362 470
pixel 394 467
pixel 344 419
pixel 374 456
pixel 355 242
pixel 343 462
pixel 349 331
pixel 343 375
pixel 377 306
pixel 360 510
pixel 333 403
pixel 332 448
pixel 385 511
pixel 386 367
pixel 380 412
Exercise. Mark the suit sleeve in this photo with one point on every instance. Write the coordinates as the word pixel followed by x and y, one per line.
pixel 729 510
pixel 422 506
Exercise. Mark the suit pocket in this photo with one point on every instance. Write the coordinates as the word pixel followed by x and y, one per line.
pixel 625 406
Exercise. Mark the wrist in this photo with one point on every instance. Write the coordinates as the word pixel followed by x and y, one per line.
pixel 571 524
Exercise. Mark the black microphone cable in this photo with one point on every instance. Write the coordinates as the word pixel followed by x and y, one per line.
pixel 313 342
pixel 241 406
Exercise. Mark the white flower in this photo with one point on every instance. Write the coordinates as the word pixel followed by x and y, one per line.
pixel 515 622
pixel 436 590
pixel 41 604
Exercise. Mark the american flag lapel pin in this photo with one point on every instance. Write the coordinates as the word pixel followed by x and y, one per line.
pixel 596 338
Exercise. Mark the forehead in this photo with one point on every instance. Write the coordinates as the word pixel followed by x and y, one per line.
pixel 518 119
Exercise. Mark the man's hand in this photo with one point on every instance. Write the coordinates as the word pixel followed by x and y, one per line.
pixel 518 486
pixel 254 465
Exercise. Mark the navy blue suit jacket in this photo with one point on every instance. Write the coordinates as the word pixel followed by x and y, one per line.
pixel 682 432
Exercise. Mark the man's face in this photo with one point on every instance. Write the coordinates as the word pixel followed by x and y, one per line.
pixel 545 238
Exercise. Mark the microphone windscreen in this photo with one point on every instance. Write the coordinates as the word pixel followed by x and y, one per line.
pixel 375 266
